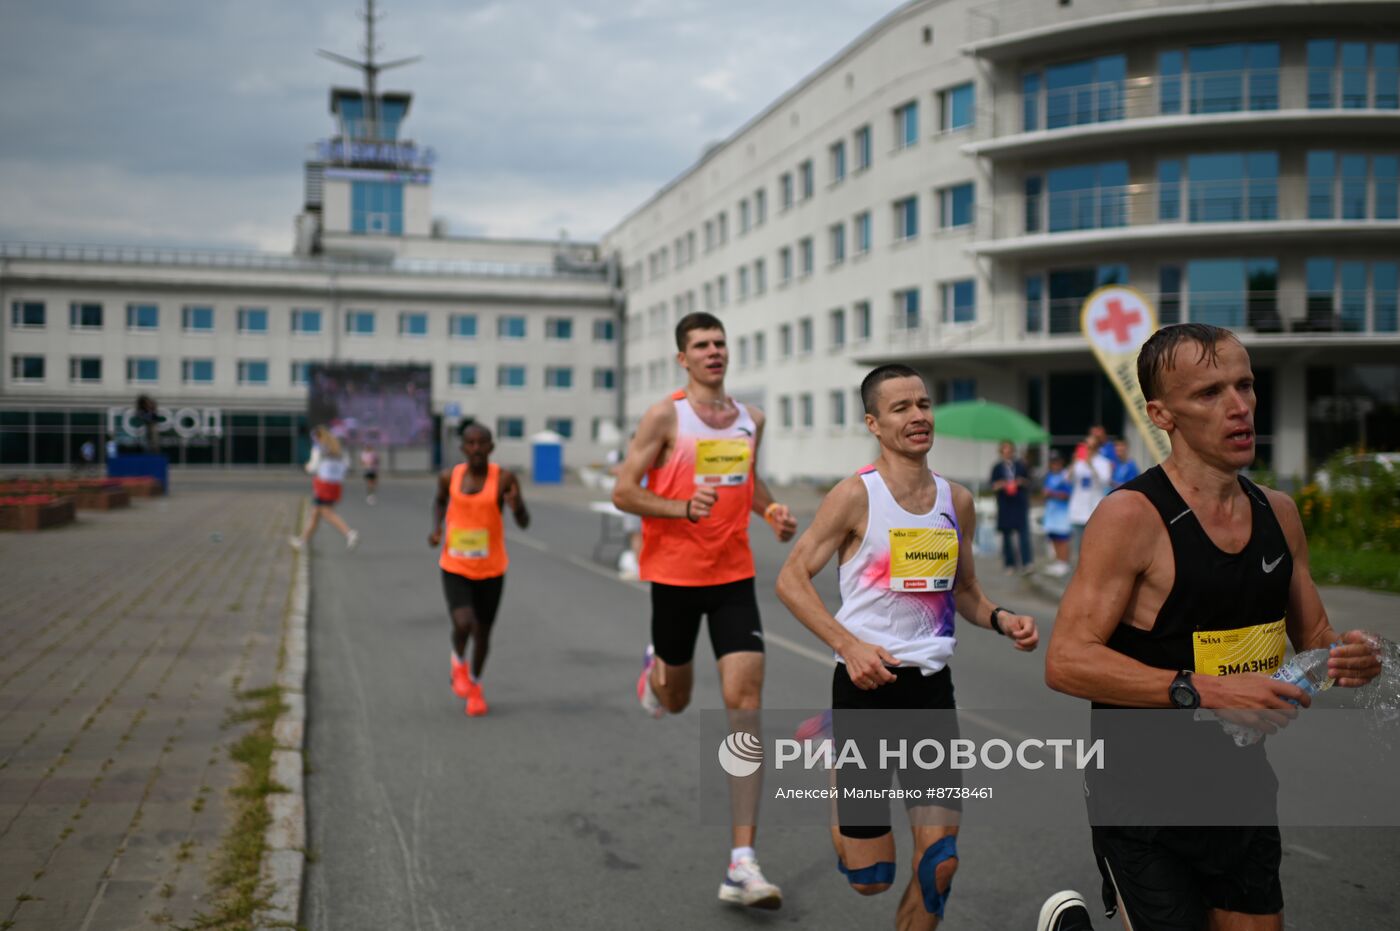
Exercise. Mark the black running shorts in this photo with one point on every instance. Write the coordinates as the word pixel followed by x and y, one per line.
pixel 731 609
pixel 1170 877
pixel 483 596
pixel 910 692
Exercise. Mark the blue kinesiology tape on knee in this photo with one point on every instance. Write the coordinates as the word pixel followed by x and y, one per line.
pixel 882 872
pixel 945 849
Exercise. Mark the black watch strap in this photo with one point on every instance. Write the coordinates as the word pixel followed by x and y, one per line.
pixel 996 625
pixel 1182 692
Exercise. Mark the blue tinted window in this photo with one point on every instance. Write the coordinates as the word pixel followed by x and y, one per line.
pixel 906 217
pixel 1035 296
pixel 510 328
pixel 1322 170
pixel 1034 203
pixel 463 376
pixel 962 389
pixel 1385 170
pixel 376 207
pixel 1169 70
pixel 1385 65
pixel 559 377
pixel 1231 187
pixel 1322 61
pixel 959 107
pixel 960 301
pixel 1352 278
pixel 199 370
pixel 908 303
pixel 510 376
pixel 306 321
pixel 413 324
pixel 198 318
pixel 463 326
pixel 906 119
pixel 1385 283
pixel 1169 299
pixel 252 320
pixel 360 322
pixel 1353 194
pixel 1354 75
pixel 1030 102
pixel 143 369
pixel 1233 292
pixel 1089 91
pixel 1169 190
pixel 1087 196
pixel 1236 76
pixel 955 205
pixel 510 428
pixel 252 372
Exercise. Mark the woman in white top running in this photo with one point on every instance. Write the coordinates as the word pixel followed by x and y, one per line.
pixel 327 468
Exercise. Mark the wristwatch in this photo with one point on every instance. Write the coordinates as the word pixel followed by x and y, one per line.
pixel 1182 693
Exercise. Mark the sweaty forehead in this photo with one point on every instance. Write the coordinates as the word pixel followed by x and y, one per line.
pixel 698 337
pixel 910 388
pixel 1194 364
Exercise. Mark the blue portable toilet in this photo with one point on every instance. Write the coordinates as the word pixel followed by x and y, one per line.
pixel 547 458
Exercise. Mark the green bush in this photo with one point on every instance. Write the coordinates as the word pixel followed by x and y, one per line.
pixel 1353 527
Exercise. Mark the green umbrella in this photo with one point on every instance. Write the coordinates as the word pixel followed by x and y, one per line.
pixel 983 420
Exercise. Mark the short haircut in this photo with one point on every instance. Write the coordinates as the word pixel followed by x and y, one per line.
pixel 1158 354
pixel 476 426
pixel 870 386
pixel 696 321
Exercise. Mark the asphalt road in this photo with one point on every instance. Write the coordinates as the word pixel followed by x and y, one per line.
pixel 567 807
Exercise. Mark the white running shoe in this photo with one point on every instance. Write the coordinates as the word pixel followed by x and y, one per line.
pixel 296 543
pixel 645 693
pixel 352 539
pixel 744 885
pixel 1064 911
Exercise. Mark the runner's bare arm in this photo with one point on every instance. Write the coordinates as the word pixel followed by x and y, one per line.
pixel 779 517
pixel 440 500
pixel 1354 662
pixel 1117 551
pixel 656 430
pixel 971 601
pixel 514 498
pixel 841 515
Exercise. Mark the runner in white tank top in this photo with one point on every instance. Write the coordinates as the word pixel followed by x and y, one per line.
pixel 898 530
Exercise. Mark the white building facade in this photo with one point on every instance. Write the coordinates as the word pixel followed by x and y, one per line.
pixel 947 190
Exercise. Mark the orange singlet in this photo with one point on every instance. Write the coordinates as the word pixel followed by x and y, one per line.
pixel 474 544
pixel 713 550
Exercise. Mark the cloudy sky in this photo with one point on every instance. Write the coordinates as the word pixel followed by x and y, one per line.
pixel 186 121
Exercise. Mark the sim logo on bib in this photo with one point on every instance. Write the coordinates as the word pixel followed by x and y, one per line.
pixel 1246 649
pixel 923 559
pixel 469 544
pixel 722 462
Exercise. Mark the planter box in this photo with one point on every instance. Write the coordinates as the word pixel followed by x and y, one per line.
pixel 30 517
pixel 141 486
pixel 102 499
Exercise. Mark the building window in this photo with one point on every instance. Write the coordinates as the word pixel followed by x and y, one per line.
pixel 510 376
pixel 723 227
pixel 359 322
pixel 1219 78
pixel 837 401
pixel 252 320
pixel 604 331
pixel 863 148
pixel 862 223
pixel 785 264
pixel 906 125
pixel 1074 93
pixel 1068 287
pixel 462 375
pixel 142 371
pixel 807 258
pixel 955 205
pixel 604 379
pixel 306 322
pixel 760 349
pixel 1234 293
pixel 836 235
pixel 1353 187
pixel 836 155
pixel 1340 299
pixel 807 176
pixel 557 377
pixel 860 321
pixel 838 328
pixel 804 409
pixel 1083 197
pixel 743 352
pixel 376 207
pixel 962 389
pixel 906 308
pixel 785 341
pixel 27 368
pixel 560 328
pixel 85 369
pixel 84 316
pixel 709 292
pixel 510 428
pixel 742 276
pixel 510 328
pixel 906 218
pixel 252 371
pixel 462 326
pixel 413 323
pixel 197 319
pixel 28 315
pixel 760 276
pixel 564 426
pixel 959 300
pixel 957 108
pixel 142 317
pixel 804 336
pixel 785 190
pixel 745 219
pixel 760 207
pixel 785 412
pixel 1361 75
pixel 1230 187
pixel 301 373
pixel 1035 304
pixel 722 290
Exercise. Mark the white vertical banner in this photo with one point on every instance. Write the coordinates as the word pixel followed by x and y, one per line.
pixel 1116 321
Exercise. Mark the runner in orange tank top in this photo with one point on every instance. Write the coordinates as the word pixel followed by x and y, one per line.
pixel 471 502
pixel 697 450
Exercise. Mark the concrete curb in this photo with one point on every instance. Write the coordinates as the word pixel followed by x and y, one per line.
pixel 284 853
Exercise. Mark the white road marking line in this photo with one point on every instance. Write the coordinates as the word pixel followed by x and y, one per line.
pixel 1307 851
pixel 792 646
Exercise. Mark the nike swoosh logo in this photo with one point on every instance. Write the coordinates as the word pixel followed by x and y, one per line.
pixel 746 431
pixel 1270 566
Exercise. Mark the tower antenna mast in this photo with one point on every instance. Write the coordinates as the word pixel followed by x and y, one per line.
pixel 371 69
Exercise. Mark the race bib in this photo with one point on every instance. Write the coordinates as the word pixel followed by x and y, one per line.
pixel 469 544
pixel 722 462
pixel 1247 649
pixel 923 559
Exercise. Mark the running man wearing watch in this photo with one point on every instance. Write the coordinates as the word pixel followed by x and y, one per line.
pixel 902 536
pixel 1188 556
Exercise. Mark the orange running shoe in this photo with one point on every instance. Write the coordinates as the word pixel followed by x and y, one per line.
pixel 461 679
pixel 476 701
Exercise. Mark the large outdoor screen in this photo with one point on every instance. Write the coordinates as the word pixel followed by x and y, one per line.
pixel 389 405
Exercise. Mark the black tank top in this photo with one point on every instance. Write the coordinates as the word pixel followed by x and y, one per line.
pixel 1214 591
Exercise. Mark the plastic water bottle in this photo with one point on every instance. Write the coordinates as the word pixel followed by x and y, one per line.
pixel 1306 670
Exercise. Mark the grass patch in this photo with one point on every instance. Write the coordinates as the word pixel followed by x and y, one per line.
pixel 237 891
pixel 1362 568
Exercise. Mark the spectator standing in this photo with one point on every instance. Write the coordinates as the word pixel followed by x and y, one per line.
pixel 1010 480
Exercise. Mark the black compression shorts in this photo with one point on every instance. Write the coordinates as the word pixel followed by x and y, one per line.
pixel 483 596
pixel 1170 877
pixel 890 713
pixel 731 609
